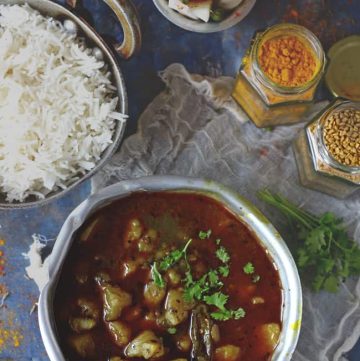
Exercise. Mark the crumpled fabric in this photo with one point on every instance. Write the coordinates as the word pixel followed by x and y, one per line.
pixel 194 128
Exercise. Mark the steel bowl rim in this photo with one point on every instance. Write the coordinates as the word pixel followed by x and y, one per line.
pixel 202 27
pixel 247 213
pixel 118 80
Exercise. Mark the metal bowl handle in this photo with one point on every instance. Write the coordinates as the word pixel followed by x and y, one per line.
pixel 126 13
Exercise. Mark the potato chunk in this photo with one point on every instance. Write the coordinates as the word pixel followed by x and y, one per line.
pixel 257 300
pixel 176 309
pixel 174 277
pixel 183 342
pixel 79 324
pixel 146 345
pixel 121 332
pixel 133 233
pixel 270 333
pixel 115 300
pixel 130 266
pixel 215 333
pixel 88 308
pixel 227 353
pixel 147 243
pixel 83 345
pixel 153 294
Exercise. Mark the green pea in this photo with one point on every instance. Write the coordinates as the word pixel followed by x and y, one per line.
pixel 217 15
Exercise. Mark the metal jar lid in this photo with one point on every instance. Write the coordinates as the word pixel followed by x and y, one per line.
pixel 343 74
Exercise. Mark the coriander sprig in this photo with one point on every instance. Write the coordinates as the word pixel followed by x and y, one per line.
pixel 249 268
pixel 156 276
pixel 325 251
pixel 205 289
pixel 173 257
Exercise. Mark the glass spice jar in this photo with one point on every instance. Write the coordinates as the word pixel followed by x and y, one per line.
pixel 266 102
pixel 327 150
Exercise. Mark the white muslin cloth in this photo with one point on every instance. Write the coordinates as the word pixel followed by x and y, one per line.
pixel 194 128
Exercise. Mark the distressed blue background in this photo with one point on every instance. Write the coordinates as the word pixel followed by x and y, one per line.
pixel 163 44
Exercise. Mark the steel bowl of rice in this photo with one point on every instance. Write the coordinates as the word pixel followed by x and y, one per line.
pixel 63 102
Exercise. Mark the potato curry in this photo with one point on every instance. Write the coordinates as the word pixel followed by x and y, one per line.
pixel 167 276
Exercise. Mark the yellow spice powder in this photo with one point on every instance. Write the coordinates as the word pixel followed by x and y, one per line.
pixel 287 61
pixel 9 338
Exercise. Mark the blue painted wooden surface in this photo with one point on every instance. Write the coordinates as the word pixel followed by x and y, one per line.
pixel 164 43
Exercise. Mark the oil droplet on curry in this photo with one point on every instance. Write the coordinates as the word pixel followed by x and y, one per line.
pixel 167 276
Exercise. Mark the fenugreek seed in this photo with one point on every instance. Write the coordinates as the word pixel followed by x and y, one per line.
pixel 342 136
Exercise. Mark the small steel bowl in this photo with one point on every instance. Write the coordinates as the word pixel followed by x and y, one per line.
pixel 198 26
pixel 269 238
pixel 126 14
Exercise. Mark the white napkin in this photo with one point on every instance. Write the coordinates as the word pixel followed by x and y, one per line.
pixel 194 128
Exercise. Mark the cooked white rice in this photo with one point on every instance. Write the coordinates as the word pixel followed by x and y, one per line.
pixel 57 105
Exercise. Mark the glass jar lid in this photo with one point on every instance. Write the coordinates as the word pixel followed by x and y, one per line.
pixel 343 73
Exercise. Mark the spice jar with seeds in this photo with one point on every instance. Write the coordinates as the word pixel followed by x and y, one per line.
pixel 327 151
pixel 279 75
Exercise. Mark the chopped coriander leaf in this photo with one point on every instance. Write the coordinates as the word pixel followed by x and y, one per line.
pixel 225 315
pixel 217 299
pixel 173 257
pixel 221 315
pixel 205 234
pixel 217 241
pixel 171 330
pixel 213 278
pixel 249 268
pixel 188 278
pixel 239 313
pixel 222 254
pixel 156 276
pixel 196 289
pixel 255 278
pixel 224 270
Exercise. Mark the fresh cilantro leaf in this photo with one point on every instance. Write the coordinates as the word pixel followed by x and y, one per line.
pixel 303 258
pixel 217 241
pixel 221 315
pixel 197 289
pixel 207 288
pixel 171 330
pixel 156 276
pixel 327 264
pixel 239 313
pixel 213 278
pixel 222 254
pixel 205 234
pixel 255 278
pixel 188 278
pixel 225 315
pixel 317 282
pixel 173 257
pixel 328 218
pixel 249 268
pixel 224 270
pixel 217 299
pixel 325 253
pixel 331 284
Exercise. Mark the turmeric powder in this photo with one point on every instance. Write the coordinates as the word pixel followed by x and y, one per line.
pixel 287 61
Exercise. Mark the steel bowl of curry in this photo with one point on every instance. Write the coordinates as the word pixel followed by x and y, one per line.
pixel 170 268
